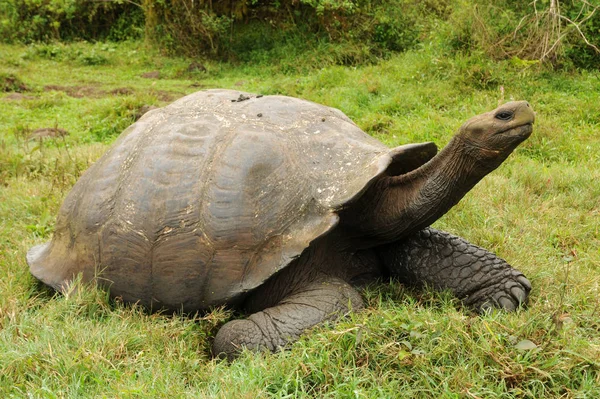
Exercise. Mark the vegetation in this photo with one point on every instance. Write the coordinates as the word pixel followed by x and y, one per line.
pixel 45 20
pixel 61 105
pixel 351 32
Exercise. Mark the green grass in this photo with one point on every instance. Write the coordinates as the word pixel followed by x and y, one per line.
pixel 540 210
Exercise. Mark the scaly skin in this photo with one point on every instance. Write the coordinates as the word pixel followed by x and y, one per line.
pixel 476 276
pixel 326 298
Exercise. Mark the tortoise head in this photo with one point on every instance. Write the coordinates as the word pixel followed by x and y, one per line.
pixel 492 136
pixel 411 197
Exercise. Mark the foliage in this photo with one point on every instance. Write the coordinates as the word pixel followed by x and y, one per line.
pixel 185 25
pixel 343 32
pixel 42 20
pixel 549 31
pixel 362 30
pixel 97 54
pixel 367 30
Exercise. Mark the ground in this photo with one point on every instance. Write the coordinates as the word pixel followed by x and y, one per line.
pixel 62 105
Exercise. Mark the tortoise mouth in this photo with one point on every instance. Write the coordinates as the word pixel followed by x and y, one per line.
pixel 523 131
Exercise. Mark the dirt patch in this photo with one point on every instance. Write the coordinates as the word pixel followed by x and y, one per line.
pixel 96 92
pixel 151 75
pixel 122 91
pixel 17 97
pixel 47 132
pixel 89 91
pixel 78 91
pixel 167 96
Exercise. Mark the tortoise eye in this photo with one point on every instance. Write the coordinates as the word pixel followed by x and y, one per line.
pixel 504 115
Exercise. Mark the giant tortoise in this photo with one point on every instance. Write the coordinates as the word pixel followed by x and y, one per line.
pixel 279 207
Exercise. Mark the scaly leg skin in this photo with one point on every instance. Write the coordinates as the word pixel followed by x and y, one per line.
pixel 476 276
pixel 325 299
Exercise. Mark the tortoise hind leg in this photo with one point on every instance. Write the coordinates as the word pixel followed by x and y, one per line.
pixel 476 276
pixel 321 300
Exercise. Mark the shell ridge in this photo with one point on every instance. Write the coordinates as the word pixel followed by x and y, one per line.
pixel 116 218
pixel 217 149
pixel 146 137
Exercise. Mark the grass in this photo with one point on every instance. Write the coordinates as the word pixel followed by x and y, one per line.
pixel 540 211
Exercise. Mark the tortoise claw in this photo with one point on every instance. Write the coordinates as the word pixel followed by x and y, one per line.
pixel 508 294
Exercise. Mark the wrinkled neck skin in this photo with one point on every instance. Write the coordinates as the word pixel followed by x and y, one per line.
pixel 396 206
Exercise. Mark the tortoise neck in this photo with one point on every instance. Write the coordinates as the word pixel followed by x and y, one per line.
pixel 437 186
pixel 396 206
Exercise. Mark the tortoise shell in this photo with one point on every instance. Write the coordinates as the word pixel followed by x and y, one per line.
pixel 203 200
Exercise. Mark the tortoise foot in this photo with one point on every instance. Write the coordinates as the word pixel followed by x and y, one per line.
pixel 476 276
pixel 236 335
pixel 326 298
pixel 507 294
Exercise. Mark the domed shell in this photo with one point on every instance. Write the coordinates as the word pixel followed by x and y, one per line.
pixel 201 201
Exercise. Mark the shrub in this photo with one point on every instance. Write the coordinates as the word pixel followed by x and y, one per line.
pixel 551 32
pixel 187 26
pixel 257 29
pixel 343 32
pixel 42 20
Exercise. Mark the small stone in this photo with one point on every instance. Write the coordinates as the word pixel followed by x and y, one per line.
pixel 259 115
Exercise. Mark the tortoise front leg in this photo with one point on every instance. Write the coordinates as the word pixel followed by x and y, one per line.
pixel 326 298
pixel 476 276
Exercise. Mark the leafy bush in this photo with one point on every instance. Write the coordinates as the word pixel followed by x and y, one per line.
pixel 551 31
pixel 361 31
pixel 186 26
pixel 246 29
pixel 345 32
pixel 42 20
